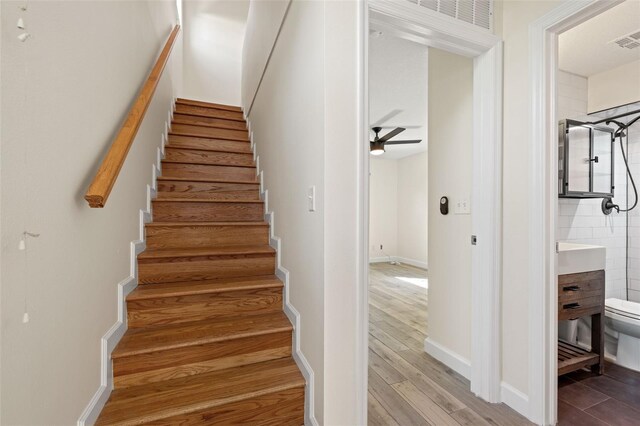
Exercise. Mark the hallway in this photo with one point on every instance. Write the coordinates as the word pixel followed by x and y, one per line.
pixel 407 386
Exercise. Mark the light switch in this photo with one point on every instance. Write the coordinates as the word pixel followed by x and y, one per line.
pixel 312 198
pixel 463 206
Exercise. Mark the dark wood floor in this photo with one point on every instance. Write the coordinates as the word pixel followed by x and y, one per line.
pixel 585 399
pixel 407 386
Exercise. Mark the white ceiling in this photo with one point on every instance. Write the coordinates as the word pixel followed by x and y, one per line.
pixel 398 91
pixel 586 49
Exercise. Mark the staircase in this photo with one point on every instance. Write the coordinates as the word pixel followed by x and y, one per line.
pixel 207 339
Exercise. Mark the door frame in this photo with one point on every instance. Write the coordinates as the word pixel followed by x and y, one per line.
pixel 543 199
pixel 406 20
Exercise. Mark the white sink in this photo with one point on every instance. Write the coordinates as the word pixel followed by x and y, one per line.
pixel 575 258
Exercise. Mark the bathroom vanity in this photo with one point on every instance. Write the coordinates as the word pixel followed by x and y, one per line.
pixel 581 279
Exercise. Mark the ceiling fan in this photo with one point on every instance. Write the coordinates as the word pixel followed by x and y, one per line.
pixel 377 144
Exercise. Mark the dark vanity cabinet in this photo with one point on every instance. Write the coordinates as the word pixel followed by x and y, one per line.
pixel 581 295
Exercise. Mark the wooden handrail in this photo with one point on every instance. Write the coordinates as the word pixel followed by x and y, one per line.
pixel 107 174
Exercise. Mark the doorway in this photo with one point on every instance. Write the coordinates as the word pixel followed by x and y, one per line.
pixel 544 34
pixel 482 368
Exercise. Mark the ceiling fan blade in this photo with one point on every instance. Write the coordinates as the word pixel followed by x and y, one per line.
pixel 403 126
pixel 403 142
pixel 387 117
pixel 391 134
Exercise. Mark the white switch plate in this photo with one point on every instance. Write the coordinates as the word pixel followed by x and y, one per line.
pixel 462 206
pixel 311 197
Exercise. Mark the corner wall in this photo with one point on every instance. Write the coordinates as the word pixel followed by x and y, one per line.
pixel 213 38
pixel 65 92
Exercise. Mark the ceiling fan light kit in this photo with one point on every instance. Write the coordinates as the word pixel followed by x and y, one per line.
pixel 376 146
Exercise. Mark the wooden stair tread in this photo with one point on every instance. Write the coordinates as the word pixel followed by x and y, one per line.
pixel 191 224
pixel 188 288
pixel 211 180
pixel 206 251
pixel 223 123
pixel 211 148
pixel 208 104
pixel 161 400
pixel 159 338
pixel 209 132
pixel 200 111
pixel 204 200
pixel 205 163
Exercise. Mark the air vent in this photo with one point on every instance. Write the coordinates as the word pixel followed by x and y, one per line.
pixel 475 12
pixel 630 41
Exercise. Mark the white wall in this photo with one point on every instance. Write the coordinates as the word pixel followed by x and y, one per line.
pixel 398 209
pixel 263 25
pixel 213 38
pixel 64 94
pixel 517 16
pixel 615 87
pixel 413 209
pixel 287 124
pixel 383 208
pixel 450 140
pixel 305 123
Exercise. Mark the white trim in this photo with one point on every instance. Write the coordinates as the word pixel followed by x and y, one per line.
pixel 112 337
pixel 486 224
pixel 290 311
pixel 543 201
pixel 514 398
pixel 449 358
pixel 397 18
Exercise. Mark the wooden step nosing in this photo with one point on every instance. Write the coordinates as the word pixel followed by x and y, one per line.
pixel 247 141
pixel 201 292
pixel 221 137
pixel 201 163
pixel 200 341
pixel 192 224
pixel 205 200
pixel 196 114
pixel 212 105
pixel 206 180
pixel 206 164
pixel 204 405
pixel 179 120
pixel 210 126
pixel 213 149
pixel 160 254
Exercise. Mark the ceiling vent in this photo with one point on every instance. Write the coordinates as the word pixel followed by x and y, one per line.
pixel 475 12
pixel 630 41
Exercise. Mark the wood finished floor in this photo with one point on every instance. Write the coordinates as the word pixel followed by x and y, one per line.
pixel 407 386
pixel 586 399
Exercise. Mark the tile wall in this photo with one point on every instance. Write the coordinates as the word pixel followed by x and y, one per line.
pixel 582 221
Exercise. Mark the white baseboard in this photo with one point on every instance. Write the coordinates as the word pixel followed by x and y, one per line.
pixel 382 259
pixel 412 262
pixel 405 260
pixel 514 399
pixel 290 311
pixel 449 358
pixel 112 337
